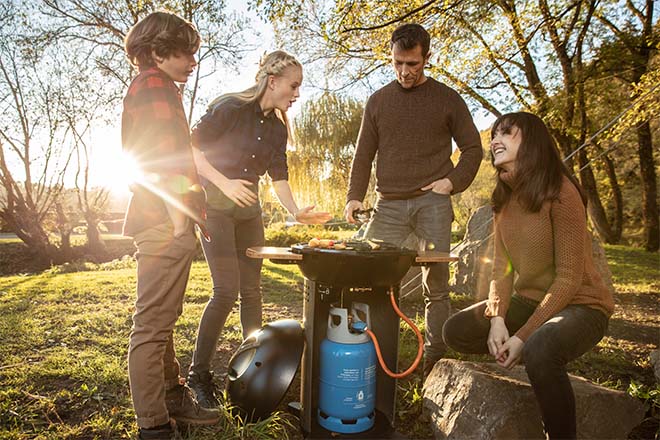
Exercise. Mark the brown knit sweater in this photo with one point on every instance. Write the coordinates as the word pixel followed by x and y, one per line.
pixel 412 130
pixel 550 253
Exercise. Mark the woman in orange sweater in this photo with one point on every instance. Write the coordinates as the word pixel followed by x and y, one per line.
pixel 547 304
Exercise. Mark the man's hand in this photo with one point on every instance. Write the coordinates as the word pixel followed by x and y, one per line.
pixel 351 206
pixel 441 186
pixel 238 191
pixel 510 353
pixel 307 216
pixel 497 335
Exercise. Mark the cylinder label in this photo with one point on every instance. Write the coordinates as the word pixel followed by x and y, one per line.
pixel 349 374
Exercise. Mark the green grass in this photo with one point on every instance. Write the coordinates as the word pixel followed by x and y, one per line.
pixel 634 269
pixel 63 356
pixel 64 339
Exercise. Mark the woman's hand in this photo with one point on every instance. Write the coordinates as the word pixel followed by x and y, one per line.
pixel 238 190
pixel 497 335
pixel 307 216
pixel 510 353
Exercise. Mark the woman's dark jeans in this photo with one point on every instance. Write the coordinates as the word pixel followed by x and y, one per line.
pixel 234 275
pixel 563 338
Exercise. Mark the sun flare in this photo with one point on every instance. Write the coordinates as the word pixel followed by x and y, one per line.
pixel 116 171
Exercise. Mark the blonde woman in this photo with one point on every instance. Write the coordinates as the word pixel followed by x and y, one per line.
pixel 241 137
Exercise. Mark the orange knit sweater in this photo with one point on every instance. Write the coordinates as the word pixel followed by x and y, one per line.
pixel 550 254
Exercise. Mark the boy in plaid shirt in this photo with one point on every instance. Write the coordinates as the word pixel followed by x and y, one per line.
pixel 166 203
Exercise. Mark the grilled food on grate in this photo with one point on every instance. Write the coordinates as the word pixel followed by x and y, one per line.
pixel 351 244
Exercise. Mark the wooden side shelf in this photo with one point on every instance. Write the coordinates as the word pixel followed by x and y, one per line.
pixel 435 257
pixel 272 253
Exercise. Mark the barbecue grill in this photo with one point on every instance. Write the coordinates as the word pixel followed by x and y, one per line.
pixel 356 266
pixel 364 272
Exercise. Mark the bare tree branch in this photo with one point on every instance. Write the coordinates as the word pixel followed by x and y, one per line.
pixel 392 21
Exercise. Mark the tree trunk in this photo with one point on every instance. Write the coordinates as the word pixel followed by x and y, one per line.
pixel 65 228
pixel 594 206
pixel 26 226
pixel 588 181
pixel 617 199
pixel 95 244
pixel 649 188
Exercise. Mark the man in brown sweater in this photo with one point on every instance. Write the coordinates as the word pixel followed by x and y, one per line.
pixel 410 123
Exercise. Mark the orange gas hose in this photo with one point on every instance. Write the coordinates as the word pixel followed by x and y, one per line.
pixel 420 340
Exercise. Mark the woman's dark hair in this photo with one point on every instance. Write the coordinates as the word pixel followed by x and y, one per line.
pixel 539 169
pixel 409 35
pixel 162 33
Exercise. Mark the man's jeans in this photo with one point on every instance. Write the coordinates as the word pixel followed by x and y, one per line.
pixel 566 336
pixel 163 267
pixel 429 217
pixel 233 273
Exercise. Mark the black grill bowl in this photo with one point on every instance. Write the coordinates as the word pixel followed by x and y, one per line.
pixel 263 367
pixel 355 268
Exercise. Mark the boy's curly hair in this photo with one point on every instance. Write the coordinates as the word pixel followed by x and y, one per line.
pixel 162 33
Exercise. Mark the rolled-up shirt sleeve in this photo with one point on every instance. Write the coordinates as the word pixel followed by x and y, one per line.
pixel 278 169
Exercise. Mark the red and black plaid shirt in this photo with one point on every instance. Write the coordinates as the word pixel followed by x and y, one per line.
pixel 155 133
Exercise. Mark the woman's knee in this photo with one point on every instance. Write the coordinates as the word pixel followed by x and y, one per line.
pixel 252 296
pixel 540 359
pixel 223 295
pixel 453 333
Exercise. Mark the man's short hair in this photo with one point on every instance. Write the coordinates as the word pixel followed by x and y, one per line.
pixel 162 33
pixel 409 35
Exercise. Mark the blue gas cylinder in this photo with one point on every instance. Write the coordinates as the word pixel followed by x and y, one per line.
pixel 347 374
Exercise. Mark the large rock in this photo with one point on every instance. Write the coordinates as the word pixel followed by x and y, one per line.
pixel 475 253
pixel 655 361
pixel 468 400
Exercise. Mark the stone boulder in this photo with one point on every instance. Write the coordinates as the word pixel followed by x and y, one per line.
pixel 475 253
pixel 655 361
pixel 467 400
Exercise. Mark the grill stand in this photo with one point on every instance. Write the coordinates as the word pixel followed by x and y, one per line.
pixel 317 300
pixel 385 323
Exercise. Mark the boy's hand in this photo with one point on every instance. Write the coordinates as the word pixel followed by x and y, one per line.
pixel 180 222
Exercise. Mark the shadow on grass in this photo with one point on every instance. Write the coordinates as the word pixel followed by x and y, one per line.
pixel 633 331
